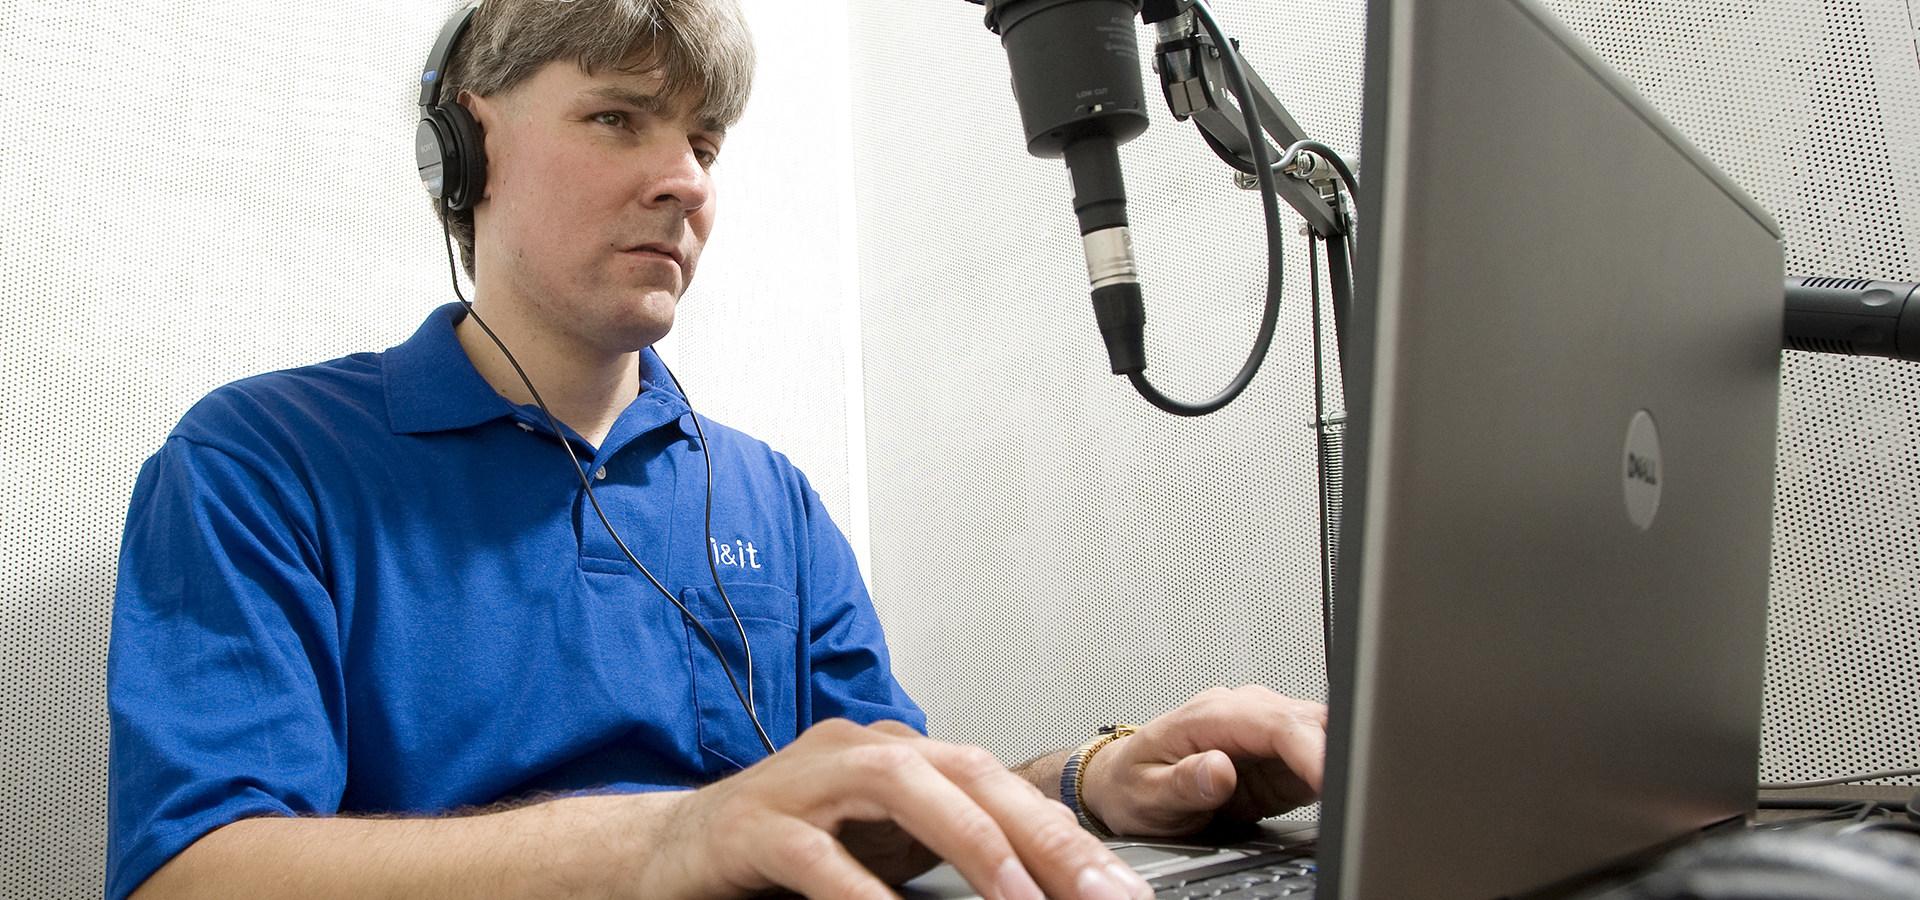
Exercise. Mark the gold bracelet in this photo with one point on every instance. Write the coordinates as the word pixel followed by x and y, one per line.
pixel 1073 776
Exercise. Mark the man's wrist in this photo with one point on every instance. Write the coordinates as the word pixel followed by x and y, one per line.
pixel 664 862
pixel 1073 777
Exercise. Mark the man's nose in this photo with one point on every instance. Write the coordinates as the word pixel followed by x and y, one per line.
pixel 680 179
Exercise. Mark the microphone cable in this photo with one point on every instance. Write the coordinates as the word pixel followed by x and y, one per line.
pixel 1339 257
pixel 1270 205
pixel 746 698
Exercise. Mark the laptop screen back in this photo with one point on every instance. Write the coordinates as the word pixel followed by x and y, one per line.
pixel 1551 618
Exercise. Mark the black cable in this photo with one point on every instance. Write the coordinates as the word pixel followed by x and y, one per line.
pixel 1332 158
pixel 1340 277
pixel 587 483
pixel 713 567
pixel 1825 803
pixel 1845 779
pixel 1270 205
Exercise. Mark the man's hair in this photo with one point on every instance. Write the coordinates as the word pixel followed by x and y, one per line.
pixel 701 47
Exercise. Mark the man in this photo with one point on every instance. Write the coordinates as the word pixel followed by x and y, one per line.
pixel 371 637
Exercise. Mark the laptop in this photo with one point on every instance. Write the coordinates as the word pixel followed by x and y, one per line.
pixel 1563 365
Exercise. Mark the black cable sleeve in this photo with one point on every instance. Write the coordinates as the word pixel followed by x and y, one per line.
pixel 1340 280
pixel 1121 315
pixel 1099 186
pixel 1270 205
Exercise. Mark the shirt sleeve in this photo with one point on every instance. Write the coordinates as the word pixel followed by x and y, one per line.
pixel 852 674
pixel 223 694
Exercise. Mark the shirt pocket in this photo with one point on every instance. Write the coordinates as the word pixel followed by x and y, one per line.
pixel 770 617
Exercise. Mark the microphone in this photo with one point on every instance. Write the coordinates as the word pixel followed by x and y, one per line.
pixel 1076 78
pixel 1853 317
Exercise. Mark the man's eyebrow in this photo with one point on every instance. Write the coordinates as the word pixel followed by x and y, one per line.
pixel 652 104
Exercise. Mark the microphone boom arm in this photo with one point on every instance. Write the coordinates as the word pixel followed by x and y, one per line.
pixel 1191 73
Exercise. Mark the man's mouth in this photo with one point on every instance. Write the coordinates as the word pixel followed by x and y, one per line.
pixel 657 250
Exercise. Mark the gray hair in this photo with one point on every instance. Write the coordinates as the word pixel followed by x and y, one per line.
pixel 701 47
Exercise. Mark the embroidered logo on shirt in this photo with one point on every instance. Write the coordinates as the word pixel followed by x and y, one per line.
pixel 739 555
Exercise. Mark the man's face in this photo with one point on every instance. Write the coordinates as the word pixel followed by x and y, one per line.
pixel 599 199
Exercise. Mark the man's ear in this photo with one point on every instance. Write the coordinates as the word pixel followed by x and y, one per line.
pixel 474 104
pixel 459 142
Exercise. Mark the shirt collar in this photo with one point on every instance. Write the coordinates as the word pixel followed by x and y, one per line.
pixel 431 385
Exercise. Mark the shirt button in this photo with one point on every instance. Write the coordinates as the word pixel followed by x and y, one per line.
pixel 600 475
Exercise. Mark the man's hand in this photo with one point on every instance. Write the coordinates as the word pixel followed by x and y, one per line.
pixel 1240 755
pixel 847 809
pixel 840 813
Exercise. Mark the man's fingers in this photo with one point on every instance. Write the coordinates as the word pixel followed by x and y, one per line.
pixel 1069 863
pixel 1198 783
pixel 1245 753
pixel 923 799
pixel 808 861
pixel 1250 722
pixel 847 801
pixel 1177 798
pixel 1209 776
pixel 897 729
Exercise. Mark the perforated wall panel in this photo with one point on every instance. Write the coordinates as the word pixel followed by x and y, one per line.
pixel 188 193
pixel 1052 552
pixel 1814 107
pixel 1049 550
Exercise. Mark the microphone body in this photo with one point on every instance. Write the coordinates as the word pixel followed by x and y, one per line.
pixel 1853 317
pixel 1076 77
pixel 1076 69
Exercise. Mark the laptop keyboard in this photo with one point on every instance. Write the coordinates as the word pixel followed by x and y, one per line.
pixel 1264 877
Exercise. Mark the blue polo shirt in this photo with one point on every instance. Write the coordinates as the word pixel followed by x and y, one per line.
pixel 375 585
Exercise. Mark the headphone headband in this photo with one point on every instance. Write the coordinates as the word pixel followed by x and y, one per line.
pixel 448 146
pixel 442 54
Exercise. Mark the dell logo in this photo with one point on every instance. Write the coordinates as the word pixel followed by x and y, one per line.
pixel 1640 470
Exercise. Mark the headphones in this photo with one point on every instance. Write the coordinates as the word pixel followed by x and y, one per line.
pixel 448 145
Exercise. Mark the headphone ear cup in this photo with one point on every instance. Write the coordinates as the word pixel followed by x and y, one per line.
pixel 459 148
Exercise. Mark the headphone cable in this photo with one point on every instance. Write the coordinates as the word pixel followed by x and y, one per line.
pixel 746 702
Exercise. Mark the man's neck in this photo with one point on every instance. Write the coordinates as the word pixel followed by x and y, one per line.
pixel 584 388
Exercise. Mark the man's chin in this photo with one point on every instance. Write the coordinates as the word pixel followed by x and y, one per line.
pixel 646 326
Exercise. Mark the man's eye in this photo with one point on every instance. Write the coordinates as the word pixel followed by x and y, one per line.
pixel 612 119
